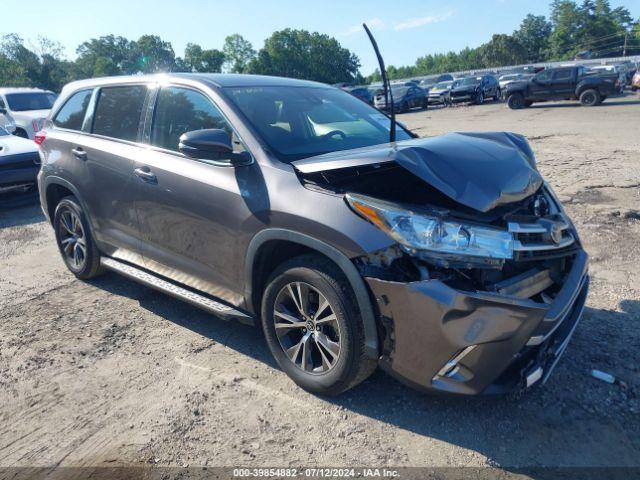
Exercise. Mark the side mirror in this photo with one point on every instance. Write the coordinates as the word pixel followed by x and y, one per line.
pixel 3 111
pixel 210 144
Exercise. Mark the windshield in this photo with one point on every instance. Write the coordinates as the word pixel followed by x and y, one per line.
pixel 303 122
pixel 21 102
pixel 509 77
pixel 470 81
pixel 442 85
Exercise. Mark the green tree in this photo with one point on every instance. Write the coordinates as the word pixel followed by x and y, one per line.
pixel 198 60
pixel 238 53
pixel 502 50
pixel 108 55
pixel 533 35
pixel 301 54
pixel 154 55
pixel 565 19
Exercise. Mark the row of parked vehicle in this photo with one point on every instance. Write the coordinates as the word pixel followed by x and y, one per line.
pixel 521 89
pixel 23 112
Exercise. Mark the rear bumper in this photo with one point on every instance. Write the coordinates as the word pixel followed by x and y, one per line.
pixel 444 340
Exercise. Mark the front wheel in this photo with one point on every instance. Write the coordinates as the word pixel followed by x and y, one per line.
pixel 516 101
pixel 74 239
pixel 312 326
pixel 498 95
pixel 480 98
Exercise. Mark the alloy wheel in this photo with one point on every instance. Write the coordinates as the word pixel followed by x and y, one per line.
pixel 72 238
pixel 307 328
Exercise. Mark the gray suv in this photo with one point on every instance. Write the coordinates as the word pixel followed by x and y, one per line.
pixel 281 203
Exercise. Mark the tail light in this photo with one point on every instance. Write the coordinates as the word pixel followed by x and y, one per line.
pixel 40 138
pixel 38 124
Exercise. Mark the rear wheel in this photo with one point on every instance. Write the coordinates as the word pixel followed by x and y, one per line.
pixel 498 95
pixel 312 326
pixel 589 97
pixel 74 239
pixel 516 101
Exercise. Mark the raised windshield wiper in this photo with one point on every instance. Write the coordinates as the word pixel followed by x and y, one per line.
pixel 388 96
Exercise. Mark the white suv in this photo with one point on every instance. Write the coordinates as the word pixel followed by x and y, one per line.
pixel 27 107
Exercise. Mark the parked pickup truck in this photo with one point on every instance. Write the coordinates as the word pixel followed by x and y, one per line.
pixel 564 83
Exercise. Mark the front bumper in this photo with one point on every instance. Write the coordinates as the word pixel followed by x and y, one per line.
pixel 439 98
pixel 18 170
pixel 445 340
pixel 467 97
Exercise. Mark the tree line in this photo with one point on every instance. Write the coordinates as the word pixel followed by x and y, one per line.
pixel 591 27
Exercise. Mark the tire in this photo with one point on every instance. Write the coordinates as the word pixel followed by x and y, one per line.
pixel 19 132
pixel 425 104
pixel 318 370
pixel 480 98
pixel 589 98
pixel 516 101
pixel 404 107
pixel 498 95
pixel 81 255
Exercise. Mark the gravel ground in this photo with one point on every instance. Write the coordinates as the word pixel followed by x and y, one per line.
pixel 109 372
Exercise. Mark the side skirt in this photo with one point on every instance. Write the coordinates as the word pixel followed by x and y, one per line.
pixel 170 288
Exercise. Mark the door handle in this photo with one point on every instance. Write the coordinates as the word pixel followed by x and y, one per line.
pixel 145 174
pixel 79 153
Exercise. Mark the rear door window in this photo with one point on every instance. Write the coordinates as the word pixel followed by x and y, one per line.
pixel 562 75
pixel 180 110
pixel 118 112
pixel 71 115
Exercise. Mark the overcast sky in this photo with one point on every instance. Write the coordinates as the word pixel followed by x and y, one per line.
pixel 405 29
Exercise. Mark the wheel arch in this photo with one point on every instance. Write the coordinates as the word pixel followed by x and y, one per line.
pixel 56 189
pixel 254 277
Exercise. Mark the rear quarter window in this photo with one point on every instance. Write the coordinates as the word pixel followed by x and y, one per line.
pixel 71 115
pixel 118 112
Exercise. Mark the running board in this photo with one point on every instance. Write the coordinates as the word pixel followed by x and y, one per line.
pixel 219 309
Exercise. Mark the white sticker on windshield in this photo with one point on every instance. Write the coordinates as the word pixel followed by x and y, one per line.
pixel 381 120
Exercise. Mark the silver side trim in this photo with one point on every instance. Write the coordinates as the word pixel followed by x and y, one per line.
pixel 146 278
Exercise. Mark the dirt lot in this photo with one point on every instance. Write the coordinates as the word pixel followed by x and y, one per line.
pixel 112 373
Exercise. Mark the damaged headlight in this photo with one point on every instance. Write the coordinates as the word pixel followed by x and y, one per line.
pixel 419 232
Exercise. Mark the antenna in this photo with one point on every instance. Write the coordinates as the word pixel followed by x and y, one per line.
pixel 388 96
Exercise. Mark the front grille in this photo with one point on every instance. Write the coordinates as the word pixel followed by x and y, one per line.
pixel 542 235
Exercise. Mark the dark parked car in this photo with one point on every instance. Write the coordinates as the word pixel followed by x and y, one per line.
pixel 363 93
pixel 405 98
pixel 563 83
pixel 475 89
pixel 281 203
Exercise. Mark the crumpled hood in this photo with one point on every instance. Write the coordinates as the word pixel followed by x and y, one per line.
pixel 478 170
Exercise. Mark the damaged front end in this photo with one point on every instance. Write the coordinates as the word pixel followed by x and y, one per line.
pixel 487 279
